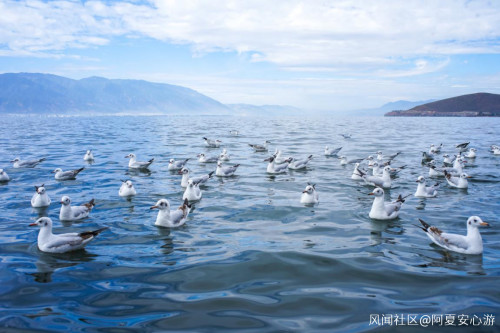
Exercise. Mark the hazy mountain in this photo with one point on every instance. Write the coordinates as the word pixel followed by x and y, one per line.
pixel 382 110
pixel 25 93
pixel 264 110
pixel 472 105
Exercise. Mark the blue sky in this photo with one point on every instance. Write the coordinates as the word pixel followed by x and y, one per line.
pixel 326 55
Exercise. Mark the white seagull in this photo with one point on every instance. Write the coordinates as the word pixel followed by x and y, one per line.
pixel 89 156
pixel 344 161
pixel 447 160
pixel 40 198
pixel 134 164
pixel 192 192
pixel 26 164
pixel 309 195
pixel 382 210
pixel 462 146
pixel 176 165
pixel 66 175
pixel 224 156
pixel 127 189
pixel 383 181
pixel 72 213
pixel 171 219
pixel 472 243
pixel 225 171
pixel 457 181
pixel 212 143
pixel 274 168
pixel 198 180
pixel 299 164
pixel 257 147
pixel 435 149
pixel 496 150
pixel 332 151
pixel 471 153
pixel 425 191
pixel 4 177
pixel 202 158
pixel 356 173
pixel 61 243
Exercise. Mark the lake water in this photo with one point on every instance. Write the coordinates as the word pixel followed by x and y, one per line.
pixel 250 257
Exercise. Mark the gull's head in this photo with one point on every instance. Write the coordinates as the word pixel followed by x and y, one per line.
pixel 379 153
pixel 219 164
pixel 40 189
pixel 475 221
pixel 369 158
pixel 421 179
pixel 473 149
pixel 309 189
pixel 356 165
pixel 15 160
pixel 1 171
pixel 171 161
pixel 432 145
pixel 57 170
pixel 65 200
pixel 378 192
pixel 162 204
pixel 375 165
pixel 42 222
pixel 128 183
pixel 326 147
pixel 269 159
pixel 190 183
pixel 267 141
pixel 183 171
pixel 88 152
pixel 131 155
pixel 446 155
pixel 463 175
pixel 432 163
pixel 387 169
pixel 201 155
pixel 224 151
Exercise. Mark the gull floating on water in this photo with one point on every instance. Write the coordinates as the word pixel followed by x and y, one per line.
pixel 66 175
pixel 434 171
pixel 332 151
pixel 496 150
pixel 278 158
pixel 4 177
pixel 212 143
pixel 257 147
pixel 89 156
pixel 381 156
pixel 457 181
pixel 61 243
pixel 176 165
pixel 447 160
pixel 425 191
pixel 382 210
pixel 234 132
pixel 471 153
pixel 472 243
pixel 309 195
pixel 224 156
pixel 462 146
pixel 356 173
pixel 274 168
pixel 345 135
pixel 171 219
pixel 202 158
pixel 225 171
pixel 299 164
pixel 344 161
pixel 192 192
pixel 127 189
pixel 383 181
pixel 72 213
pixel 198 180
pixel 435 149
pixel 26 164
pixel 427 156
pixel 40 198
pixel 134 164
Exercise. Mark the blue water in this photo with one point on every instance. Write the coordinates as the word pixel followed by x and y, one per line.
pixel 250 257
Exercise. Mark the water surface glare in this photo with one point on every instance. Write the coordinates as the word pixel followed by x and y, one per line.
pixel 250 257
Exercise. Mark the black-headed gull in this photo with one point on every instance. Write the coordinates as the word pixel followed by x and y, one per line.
pixel 471 153
pixel 61 243
pixel 381 156
pixel 26 164
pixel 380 181
pixel 234 132
pixel 225 171
pixel 382 210
pixel 427 157
pixel 89 156
pixel 425 191
pixel 171 219
pixel 447 160
pixel 127 189
pixel 192 192
pixel 72 213
pixel 134 164
pixel 434 171
pixel 212 143
pixel 40 198
pixel 435 149
pixel 257 147
pixel 344 161
pixel 457 181
pixel 462 146
pixel 309 195
pixel 198 180
pixel 66 175
pixel 176 165
pixel 224 156
pixel 202 158
pixel 345 135
pixel 332 151
pixel 4 177
pixel 496 150
pixel 356 173
pixel 299 164
pixel 472 243
pixel 274 168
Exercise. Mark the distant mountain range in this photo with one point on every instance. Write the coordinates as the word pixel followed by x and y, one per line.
pixel 472 105
pixel 249 109
pixel 380 111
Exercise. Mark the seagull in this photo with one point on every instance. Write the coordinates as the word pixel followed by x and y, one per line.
pixel 457 181
pixel 380 156
pixel 4 177
pixel 382 210
pixel 332 151
pixel 471 153
pixel 202 158
pixel 260 147
pixel 472 243
pixel 223 171
pixel 134 164
pixel 127 189
pixel 192 192
pixel 447 160
pixel 72 213
pixel 40 198
pixel 496 151
pixel 425 191
pixel 88 156
pixel 234 132
pixel 344 161
pixel 435 149
pixel 66 175
pixel 274 168
pixel 462 146
pixel 434 171
pixel 383 181
pixel 356 173
pixel 494 147
pixel 299 164
pixel 371 161
pixel 61 243
pixel 169 219
pixel 212 143
pixel 376 171
pixel 26 164
pixel 198 180
pixel 278 158
pixel 427 156
pixel 176 165
pixel 224 156
pixel 309 195
pixel 345 135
